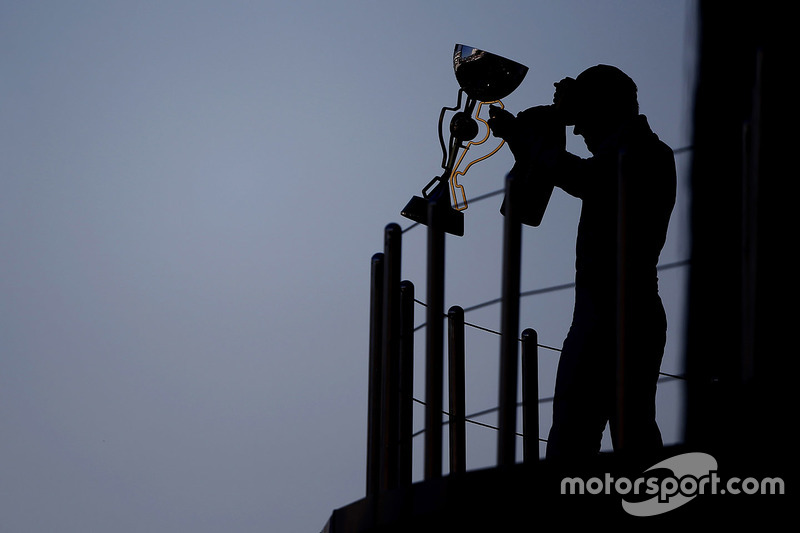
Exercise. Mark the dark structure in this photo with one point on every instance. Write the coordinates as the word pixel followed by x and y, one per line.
pixel 740 301
pixel 739 406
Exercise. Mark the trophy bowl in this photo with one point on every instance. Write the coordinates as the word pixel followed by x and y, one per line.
pixel 484 76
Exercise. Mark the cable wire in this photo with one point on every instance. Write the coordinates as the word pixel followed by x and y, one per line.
pixel 470 417
pixel 676 151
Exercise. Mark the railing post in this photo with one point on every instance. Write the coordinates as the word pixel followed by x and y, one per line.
pixel 390 435
pixel 621 366
pixel 375 375
pixel 530 396
pixel 509 328
pixel 406 382
pixel 456 388
pixel 434 341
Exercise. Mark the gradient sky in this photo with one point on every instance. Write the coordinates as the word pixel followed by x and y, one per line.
pixel 191 194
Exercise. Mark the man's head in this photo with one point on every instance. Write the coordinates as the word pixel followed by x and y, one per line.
pixel 599 101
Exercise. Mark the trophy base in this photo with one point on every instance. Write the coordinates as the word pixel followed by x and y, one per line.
pixel 417 210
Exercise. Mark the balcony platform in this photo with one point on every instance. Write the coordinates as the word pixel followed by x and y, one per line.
pixel 527 497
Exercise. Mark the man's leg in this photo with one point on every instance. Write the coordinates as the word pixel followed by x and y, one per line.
pixel 583 398
pixel 644 350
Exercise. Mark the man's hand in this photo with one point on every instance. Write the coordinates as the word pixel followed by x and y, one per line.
pixel 564 100
pixel 501 122
pixel 531 132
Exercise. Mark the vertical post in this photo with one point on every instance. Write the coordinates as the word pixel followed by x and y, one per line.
pixel 509 328
pixel 406 382
pixel 530 396
pixel 751 162
pixel 375 375
pixel 390 436
pixel 434 340
pixel 457 377
pixel 621 296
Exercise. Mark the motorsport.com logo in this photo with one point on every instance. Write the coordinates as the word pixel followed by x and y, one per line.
pixel 693 474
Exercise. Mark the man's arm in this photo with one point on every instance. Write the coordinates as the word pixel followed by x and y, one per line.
pixel 572 173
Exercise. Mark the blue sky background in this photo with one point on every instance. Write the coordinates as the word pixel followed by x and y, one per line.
pixel 191 195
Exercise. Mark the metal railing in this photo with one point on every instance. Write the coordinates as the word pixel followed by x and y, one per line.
pixel 389 433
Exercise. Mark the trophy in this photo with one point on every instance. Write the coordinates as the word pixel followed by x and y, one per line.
pixel 484 78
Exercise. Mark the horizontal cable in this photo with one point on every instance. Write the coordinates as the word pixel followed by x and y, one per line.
pixel 539 345
pixel 467 419
pixel 470 418
pixel 533 292
pixel 563 286
pixel 500 191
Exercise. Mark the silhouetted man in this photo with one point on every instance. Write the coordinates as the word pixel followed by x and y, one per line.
pixel 610 362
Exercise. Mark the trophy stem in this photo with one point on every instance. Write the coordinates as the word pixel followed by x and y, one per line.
pixel 482 77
